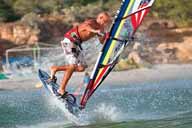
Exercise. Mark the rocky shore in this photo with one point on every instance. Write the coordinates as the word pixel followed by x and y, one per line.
pixel 161 41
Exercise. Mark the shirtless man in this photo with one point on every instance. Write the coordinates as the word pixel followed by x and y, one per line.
pixel 72 47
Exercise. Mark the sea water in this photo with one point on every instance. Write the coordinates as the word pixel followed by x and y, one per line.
pixel 163 104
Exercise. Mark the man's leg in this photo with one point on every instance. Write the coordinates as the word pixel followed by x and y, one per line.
pixel 69 69
pixel 55 69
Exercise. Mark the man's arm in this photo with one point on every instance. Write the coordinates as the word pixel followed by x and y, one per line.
pixel 97 32
pixel 90 29
pixel 103 37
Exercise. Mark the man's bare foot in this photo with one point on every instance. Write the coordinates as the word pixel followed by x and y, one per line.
pixel 52 79
pixel 53 72
pixel 61 91
pixel 62 94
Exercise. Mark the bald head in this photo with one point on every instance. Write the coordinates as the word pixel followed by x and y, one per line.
pixel 103 18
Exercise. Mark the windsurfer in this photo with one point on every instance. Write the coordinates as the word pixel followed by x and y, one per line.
pixel 71 45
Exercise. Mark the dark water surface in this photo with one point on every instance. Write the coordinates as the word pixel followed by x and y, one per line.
pixel 165 104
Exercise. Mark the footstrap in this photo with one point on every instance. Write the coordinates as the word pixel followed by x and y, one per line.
pixel 64 95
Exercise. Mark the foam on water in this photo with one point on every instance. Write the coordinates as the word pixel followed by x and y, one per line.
pixel 107 112
pixel 68 115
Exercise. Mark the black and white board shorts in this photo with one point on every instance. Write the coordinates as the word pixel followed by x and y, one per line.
pixel 72 57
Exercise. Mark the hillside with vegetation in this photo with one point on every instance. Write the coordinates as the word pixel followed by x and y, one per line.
pixel 11 10
pixel 168 26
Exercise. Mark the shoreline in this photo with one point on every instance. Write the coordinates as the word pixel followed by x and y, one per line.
pixel 143 75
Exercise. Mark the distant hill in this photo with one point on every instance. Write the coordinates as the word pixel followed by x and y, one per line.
pixel 177 10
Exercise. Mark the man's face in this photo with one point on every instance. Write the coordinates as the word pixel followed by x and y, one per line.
pixel 103 20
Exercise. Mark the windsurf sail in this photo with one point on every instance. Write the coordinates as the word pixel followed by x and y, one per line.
pixel 128 18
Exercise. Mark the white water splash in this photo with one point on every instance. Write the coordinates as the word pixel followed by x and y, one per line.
pixel 57 103
pixel 51 57
pixel 107 112
pixel 81 119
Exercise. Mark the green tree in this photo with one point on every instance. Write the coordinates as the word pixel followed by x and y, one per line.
pixel 177 10
pixel 23 6
pixel 6 12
